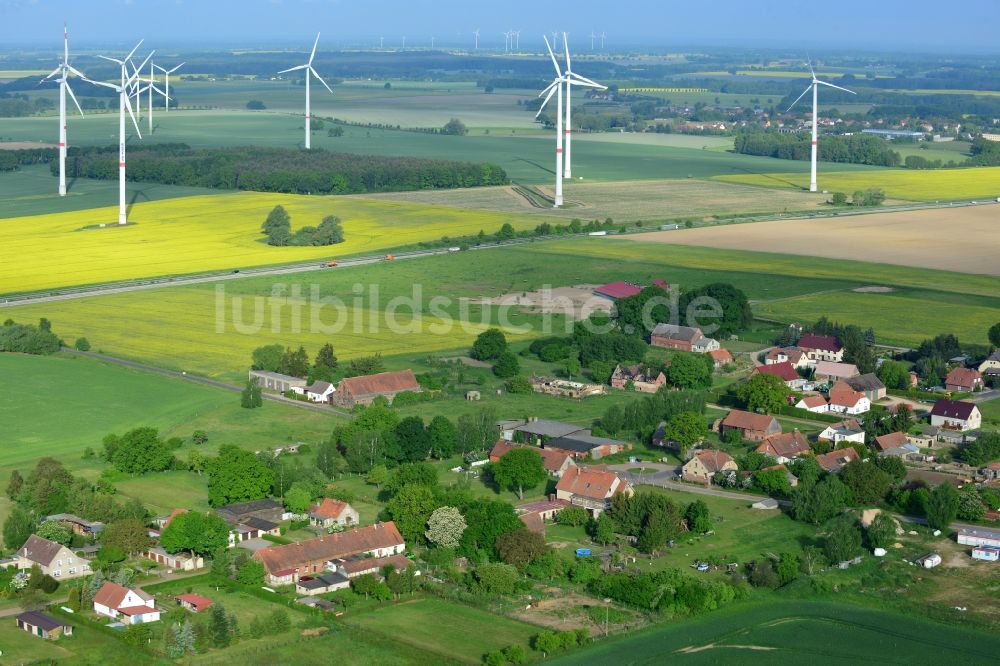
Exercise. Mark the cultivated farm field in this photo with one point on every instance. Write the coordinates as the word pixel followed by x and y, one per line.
pixel 911 238
pixel 213 232
pixel 908 184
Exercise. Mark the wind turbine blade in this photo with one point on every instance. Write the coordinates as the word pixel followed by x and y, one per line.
pixel 54 72
pixel 73 97
pixel 552 55
pixel 799 97
pixel 321 80
pixel 103 84
pixel 811 70
pixel 140 68
pixel 75 71
pixel 830 85
pixel 128 105
pixel 292 69
pixel 552 92
pixel 549 87
pixel 114 60
pixel 175 68
pixel 585 80
pixel 132 52
pixel 313 54
pixel 566 46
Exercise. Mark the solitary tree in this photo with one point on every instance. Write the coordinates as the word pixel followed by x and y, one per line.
pixel 882 531
pixel 489 345
pixel 445 527
pixel 519 469
pixel 506 365
pixel 252 397
pixel 699 518
pixel 844 540
pixel 455 127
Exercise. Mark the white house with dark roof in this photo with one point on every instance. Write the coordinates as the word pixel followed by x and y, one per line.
pixel 318 391
pixel 52 558
pixel 956 415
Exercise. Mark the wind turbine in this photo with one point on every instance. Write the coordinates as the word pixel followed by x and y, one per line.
pixel 64 70
pixel 555 88
pixel 166 79
pixel 593 36
pixel 573 79
pixel 517 41
pixel 308 67
pixel 476 33
pixel 603 35
pixel 814 86
pixel 149 88
pixel 123 103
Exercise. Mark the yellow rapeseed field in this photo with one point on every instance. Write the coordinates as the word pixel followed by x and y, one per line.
pixel 212 232
pixel 923 185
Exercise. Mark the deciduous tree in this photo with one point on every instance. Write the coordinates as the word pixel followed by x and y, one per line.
pixel 445 527
pixel 518 469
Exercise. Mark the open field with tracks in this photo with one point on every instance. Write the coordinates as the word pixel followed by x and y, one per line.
pixel 794 632
pixel 221 231
pixel 910 238
pixel 910 185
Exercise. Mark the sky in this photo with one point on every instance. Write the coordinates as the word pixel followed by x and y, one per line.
pixel 869 25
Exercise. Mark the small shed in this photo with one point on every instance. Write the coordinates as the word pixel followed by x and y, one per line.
pixel 929 561
pixel 472 395
pixel 43 626
pixel 986 554
pixel 193 602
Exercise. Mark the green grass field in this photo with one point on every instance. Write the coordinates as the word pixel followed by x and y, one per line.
pixel 794 632
pixel 455 632
pixel 86 646
pixel 924 185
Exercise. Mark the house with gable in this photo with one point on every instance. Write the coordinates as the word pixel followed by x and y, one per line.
pixel 849 430
pixel 813 403
pixel 783 371
pixel 683 338
pixel 831 372
pixel 127 605
pixel 956 415
pixel 54 559
pixel 793 355
pixel 642 382
pixel 555 461
pixel 705 464
pixel 821 347
pixel 845 400
pixel 869 384
pixel 835 460
pixel 364 389
pixel 785 446
pixel 318 391
pixel 332 512
pixel 591 488
pixel 752 427
pixel 963 380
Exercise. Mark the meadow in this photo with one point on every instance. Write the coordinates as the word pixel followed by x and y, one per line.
pixel 910 185
pixel 793 631
pixel 456 632
pixel 213 232
pixel 86 646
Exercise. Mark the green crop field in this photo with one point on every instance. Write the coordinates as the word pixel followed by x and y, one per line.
pixel 794 632
pixel 922 185
pixel 93 398
pixel 456 632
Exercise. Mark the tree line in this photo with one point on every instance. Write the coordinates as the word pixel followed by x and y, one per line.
pixel 857 149
pixel 281 170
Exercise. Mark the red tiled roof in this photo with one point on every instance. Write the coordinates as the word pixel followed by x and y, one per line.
pixel 330 547
pixel 821 342
pixel 199 602
pixel 893 440
pixel 398 562
pixel 811 401
pixel 173 514
pixel 533 521
pixel 329 508
pixel 834 460
pixel 784 371
pixel 137 610
pixel 112 594
pixel 785 445
pixel 843 395
pixel 382 383
pixel 964 377
pixel 741 420
pixel 721 355
pixel 662 284
pixel 552 459
pixel 618 289
pixel 590 483
pixel 713 459
pixel 953 409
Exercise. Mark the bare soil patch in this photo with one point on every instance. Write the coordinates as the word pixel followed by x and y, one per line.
pixel 577 302
pixel 24 145
pixel 923 238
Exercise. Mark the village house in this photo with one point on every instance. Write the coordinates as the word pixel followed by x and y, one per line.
pixel 991 365
pixel 177 561
pixel 322 583
pixel 364 389
pixel 591 488
pixel 273 381
pixel 752 427
pixel 785 446
pixel 43 626
pixel 556 462
pixel 813 403
pixel 821 347
pixel 52 558
pixel 956 415
pixel 869 384
pixel 252 528
pixel 640 381
pixel 579 445
pixel 845 400
pixel 285 564
pixel 318 391
pixel 835 460
pixel 332 512
pixel 193 602
pixel 963 380
pixel 793 355
pixel 127 605
pixel 849 430
pixel 239 513
pixel 783 371
pixel 830 372
pixel 684 338
pixel 895 445
pixel 720 358
pixel 86 528
pixel 705 464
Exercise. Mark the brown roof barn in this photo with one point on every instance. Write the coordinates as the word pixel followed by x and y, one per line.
pixel 754 427
pixel 364 389
pixel 314 553
pixel 785 446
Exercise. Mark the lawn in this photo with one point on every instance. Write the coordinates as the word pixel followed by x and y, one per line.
pixel 794 632
pixel 991 411
pixel 925 185
pixel 87 645
pixel 93 399
pixel 211 233
pixel 451 630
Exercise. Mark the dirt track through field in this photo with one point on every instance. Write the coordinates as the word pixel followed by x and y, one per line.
pixel 965 240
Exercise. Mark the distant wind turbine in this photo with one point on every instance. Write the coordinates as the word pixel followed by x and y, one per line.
pixel 64 70
pixel 555 88
pixel 166 81
pixel 308 67
pixel 476 33
pixel 814 86
pixel 573 79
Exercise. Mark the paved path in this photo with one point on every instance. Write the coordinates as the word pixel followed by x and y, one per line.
pixel 985 396
pixel 273 397
pixel 10 612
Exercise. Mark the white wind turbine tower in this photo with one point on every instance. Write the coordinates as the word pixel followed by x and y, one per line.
pixel 166 81
pixel 593 36
pixel 603 35
pixel 573 79
pixel 476 33
pixel 814 86
pixel 517 41
pixel 123 90
pixel 555 88
pixel 149 88
pixel 308 67
pixel 64 70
